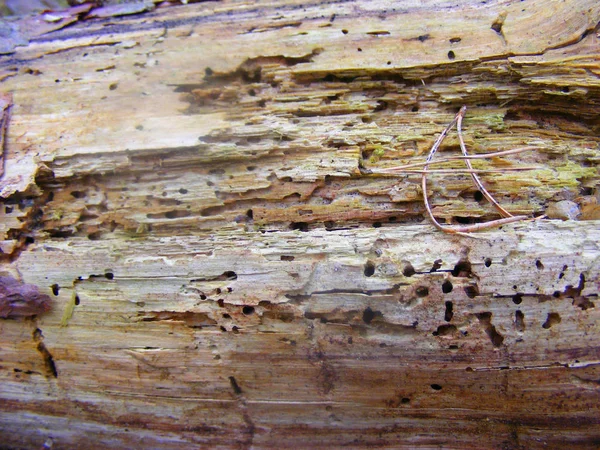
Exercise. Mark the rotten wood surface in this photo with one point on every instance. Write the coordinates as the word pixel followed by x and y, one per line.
pixel 197 189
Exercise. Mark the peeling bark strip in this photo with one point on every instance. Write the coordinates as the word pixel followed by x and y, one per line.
pixel 18 300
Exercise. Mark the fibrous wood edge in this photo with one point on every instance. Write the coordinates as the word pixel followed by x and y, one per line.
pixel 187 186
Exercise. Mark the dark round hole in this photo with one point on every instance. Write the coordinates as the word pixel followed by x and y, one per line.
pixel 451 55
pixel 247 310
pixel 369 269
pixel 471 291
pixel 436 387
pixel 446 287
pixel 487 262
pixel 478 196
pixel 517 299
pixel 422 291
pixel 368 315
pixel 109 275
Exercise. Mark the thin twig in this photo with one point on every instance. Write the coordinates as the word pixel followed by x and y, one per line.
pixel 462 230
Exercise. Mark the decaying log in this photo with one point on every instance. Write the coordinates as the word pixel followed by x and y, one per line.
pixel 198 189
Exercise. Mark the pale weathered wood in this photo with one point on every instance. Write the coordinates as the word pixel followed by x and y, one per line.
pixel 192 187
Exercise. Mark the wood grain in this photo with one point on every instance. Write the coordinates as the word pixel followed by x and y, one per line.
pixel 191 186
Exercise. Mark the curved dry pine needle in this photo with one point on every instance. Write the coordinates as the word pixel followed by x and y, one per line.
pixel 474 177
pixel 462 158
pixel 463 230
pixel 472 171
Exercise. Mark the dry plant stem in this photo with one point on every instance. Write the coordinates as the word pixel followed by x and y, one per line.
pixel 461 158
pixel 456 230
pixel 511 169
pixel 476 180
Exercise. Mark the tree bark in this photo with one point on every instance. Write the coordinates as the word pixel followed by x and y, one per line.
pixel 199 190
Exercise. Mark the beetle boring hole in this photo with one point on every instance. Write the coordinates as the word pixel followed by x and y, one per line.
pixel 462 269
pixel 539 264
pixel 448 314
pixel 436 387
pixel 422 291
pixel 478 196
pixel 552 319
pixel 451 55
pixel 368 315
pixel 55 289
pixel 447 287
pixel 471 291
pixel 235 386
pixel 519 321
pixel 408 270
pixel 300 226
pixel 109 275
pixel 76 300
pixel 517 299
pixel 487 262
pixel 369 269
pixel 247 310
